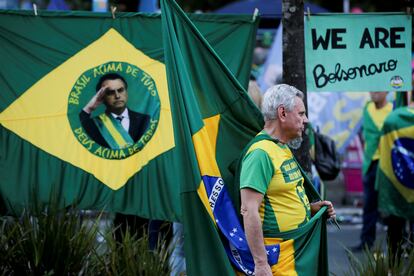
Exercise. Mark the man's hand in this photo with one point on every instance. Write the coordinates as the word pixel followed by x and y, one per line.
pixel 262 270
pixel 316 206
pixel 95 101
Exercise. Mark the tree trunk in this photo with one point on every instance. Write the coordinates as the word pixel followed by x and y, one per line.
pixel 294 63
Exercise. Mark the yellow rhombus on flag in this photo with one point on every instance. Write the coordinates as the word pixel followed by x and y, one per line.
pixel 38 115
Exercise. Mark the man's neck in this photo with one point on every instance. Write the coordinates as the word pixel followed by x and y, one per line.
pixel 272 127
pixel 379 105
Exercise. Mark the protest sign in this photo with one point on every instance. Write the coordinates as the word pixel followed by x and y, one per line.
pixel 358 52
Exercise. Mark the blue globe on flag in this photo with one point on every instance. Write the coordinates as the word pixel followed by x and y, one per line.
pixel 402 157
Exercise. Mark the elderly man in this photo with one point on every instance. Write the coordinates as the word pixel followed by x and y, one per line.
pixel 273 199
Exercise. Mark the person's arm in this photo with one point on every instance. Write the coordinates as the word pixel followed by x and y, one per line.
pixel 250 203
pixel 96 100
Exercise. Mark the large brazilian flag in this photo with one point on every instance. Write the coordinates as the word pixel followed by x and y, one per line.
pixel 395 175
pixel 50 65
pixel 200 116
pixel 207 204
pixel 217 128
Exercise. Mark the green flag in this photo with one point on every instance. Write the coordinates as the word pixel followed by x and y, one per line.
pixel 51 64
pixel 400 99
pixel 395 175
pixel 221 119
pixel 198 121
pixel 213 100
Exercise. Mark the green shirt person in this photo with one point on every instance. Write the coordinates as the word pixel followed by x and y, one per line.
pixel 271 184
pixel 374 114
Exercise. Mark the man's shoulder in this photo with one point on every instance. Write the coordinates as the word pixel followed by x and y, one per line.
pixel 135 114
pixel 84 116
pixel 265 145
pixel 268 146
pixel 368 103
pixel 369 109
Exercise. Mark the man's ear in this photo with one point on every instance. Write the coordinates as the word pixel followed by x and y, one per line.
pixel 281 113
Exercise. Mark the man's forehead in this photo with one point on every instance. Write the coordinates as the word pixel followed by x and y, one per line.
pixel 115 82
pixel 299 104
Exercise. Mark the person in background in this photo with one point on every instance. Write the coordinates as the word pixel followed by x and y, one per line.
pixel 374 114
pixel 177 258
pixel 254 93
pixel 400 152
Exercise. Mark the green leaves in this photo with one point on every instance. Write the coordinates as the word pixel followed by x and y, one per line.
pixel 131 256
pixel 57 241
pixel 377 262
pixel 52 242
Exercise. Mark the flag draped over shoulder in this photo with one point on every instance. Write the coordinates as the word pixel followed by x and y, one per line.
pixel 395 175
pixel 301 251
pixel 50 66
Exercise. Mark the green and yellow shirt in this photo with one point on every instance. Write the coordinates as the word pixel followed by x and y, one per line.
pixel 372 122
pixel 270 169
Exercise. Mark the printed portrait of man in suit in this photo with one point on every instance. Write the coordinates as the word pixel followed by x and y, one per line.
pixel 118 127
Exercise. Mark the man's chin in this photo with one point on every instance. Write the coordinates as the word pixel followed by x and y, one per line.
pixel 116 110
pixel 119 105
pixel 295 143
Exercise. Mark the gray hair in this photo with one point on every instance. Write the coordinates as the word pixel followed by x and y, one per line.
pixel 279 95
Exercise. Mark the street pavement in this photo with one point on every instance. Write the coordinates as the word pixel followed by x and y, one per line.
pixel 350 220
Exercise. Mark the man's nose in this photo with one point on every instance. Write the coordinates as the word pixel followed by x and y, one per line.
pixel 116 94
pixel 305 120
